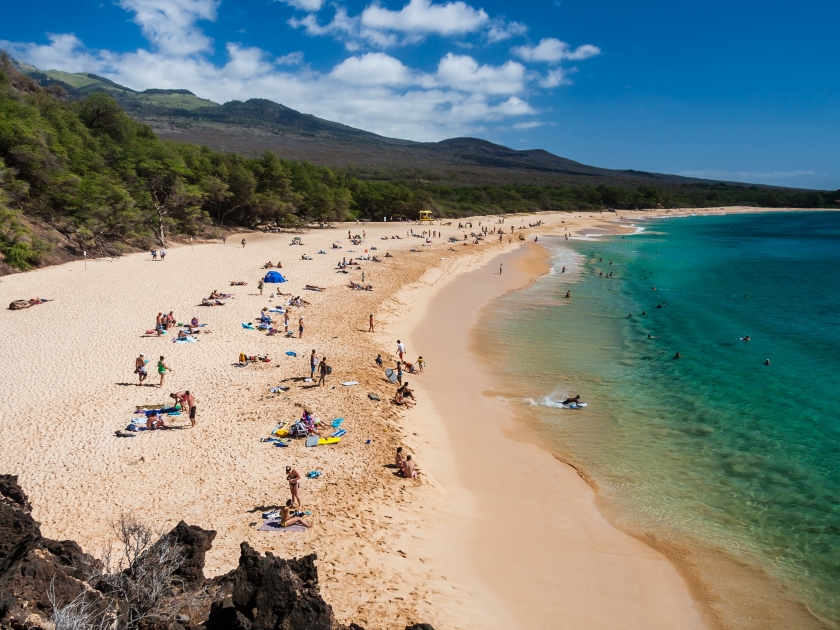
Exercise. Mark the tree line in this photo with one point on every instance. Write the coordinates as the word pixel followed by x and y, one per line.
pixel 106 183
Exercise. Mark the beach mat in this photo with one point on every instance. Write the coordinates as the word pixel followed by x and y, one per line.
pixel 273 525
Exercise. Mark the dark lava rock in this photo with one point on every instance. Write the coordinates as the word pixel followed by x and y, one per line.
pixel 19 533
pixel 195 543
pixel 419 626
pixel 272 593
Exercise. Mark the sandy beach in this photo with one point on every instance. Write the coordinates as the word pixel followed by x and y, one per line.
pixel 495 533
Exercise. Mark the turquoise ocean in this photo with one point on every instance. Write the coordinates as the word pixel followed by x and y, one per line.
pixel 717 447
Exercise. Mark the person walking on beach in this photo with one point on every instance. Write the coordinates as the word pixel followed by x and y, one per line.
pixel 162 254
pixel 322 371
pixel 293 477
pixel 243 243
pixel 399 372
pixel 224 240
pixel 370 328
pixel 300 327
pixel 154 254
pixel 140 368
pixel 400 349
pixel 162 369
pixel 313 363
pixel 260 286
pixel 286 321
pixel 500 268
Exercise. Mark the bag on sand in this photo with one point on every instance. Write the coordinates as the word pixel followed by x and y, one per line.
pixel 329 370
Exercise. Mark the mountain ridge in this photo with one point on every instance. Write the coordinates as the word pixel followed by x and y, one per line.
pixel 256 125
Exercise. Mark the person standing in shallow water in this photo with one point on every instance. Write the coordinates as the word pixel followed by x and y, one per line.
pixel 500 268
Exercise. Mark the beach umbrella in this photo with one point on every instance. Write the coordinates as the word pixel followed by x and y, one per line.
pixel 274 277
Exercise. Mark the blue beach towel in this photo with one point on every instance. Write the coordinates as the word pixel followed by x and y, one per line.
pixel 337 423
pixel 291 353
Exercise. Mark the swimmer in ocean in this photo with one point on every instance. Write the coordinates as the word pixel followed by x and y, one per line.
pixel 747 338
pixel 678 356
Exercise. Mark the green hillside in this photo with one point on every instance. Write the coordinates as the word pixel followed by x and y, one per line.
pixel 80 84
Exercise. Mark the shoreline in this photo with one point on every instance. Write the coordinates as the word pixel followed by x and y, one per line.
pixel 570 563
pixel 379 560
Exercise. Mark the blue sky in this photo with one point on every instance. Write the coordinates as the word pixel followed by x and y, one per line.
pixel 743 91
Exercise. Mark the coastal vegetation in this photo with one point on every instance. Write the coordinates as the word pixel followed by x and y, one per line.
pixel 84 174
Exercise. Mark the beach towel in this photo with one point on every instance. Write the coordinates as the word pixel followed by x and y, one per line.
pixel 248 326
pixel 186 339
pixel 273 525
pixel 350 383
pixel 313 474
pixel 276 310
pixel 337 423
pixel 291 353
pixel 312 440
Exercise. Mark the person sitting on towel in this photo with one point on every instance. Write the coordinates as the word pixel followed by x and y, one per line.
pixel 287 516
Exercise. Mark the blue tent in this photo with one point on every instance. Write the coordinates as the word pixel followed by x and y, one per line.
pixel 274 276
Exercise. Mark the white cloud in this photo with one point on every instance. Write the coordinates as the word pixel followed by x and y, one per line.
pixel 373 69
pixel 462 72
pixel 500 31
pixel 422 17
pixel 555 77
pixel 553 50
pixel 292 59
pixel 64 52
pixel 170 24
pixel 305 5
pixel 528 125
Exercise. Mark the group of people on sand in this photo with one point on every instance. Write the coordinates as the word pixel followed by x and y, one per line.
pixel 269 265
pixel 164 321
pixel 161 252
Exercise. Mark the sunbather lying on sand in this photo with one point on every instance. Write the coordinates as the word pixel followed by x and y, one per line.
pixel 268 265
pixel 238 283
pixel 312 287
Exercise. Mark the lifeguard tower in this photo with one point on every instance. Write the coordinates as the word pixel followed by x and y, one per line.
pixel 425 217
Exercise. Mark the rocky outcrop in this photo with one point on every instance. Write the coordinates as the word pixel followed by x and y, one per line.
pixel 270 592
pixel 195 543
pixel 262 593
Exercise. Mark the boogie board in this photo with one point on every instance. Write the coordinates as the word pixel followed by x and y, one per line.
pixel 391 374
pixel 329 440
